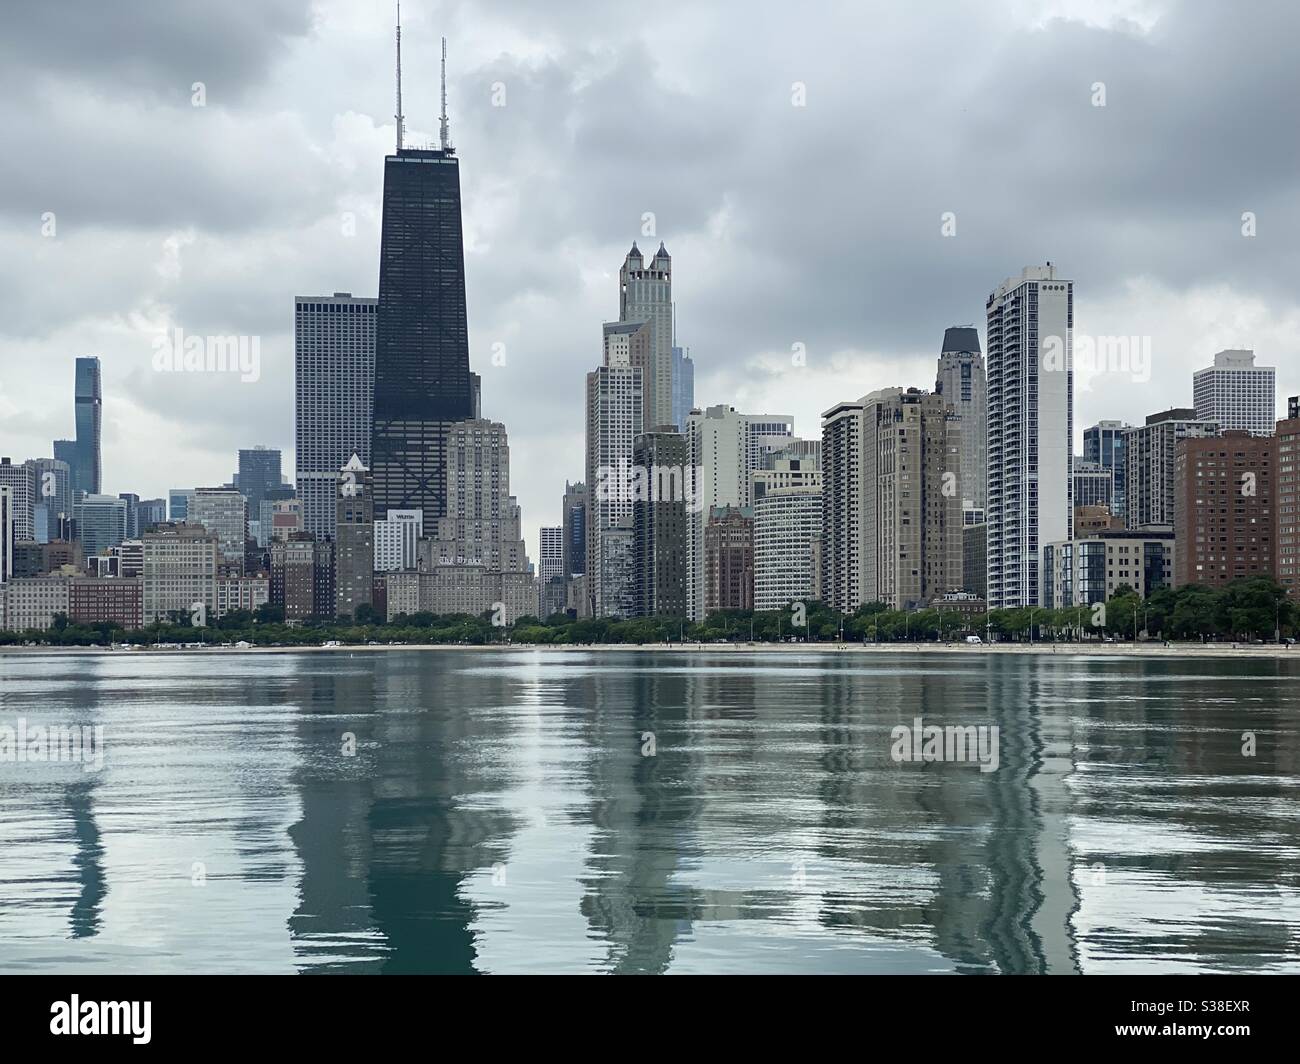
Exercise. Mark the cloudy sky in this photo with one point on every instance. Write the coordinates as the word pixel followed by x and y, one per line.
pixel 799 161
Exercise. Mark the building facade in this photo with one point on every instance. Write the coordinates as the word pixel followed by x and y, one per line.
pixel 728 559
pixel 1149 451
pixel 180 572
pixel 787 541
pixel 1224 512
pixel 1030 377
pixel 615 409
pixel 334 377
pixel 422 376
pixel 961 383
pixel 659 517
pixel 1103 443
pixel 354 540
pixel 1236 393
pixel 645 295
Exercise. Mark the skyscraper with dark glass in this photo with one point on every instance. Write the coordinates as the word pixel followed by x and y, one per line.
pixel 83 454
pixel 422 376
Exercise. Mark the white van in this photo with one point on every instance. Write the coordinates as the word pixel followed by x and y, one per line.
pixel 974 639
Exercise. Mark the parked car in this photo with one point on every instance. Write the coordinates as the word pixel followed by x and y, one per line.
pixel 974 639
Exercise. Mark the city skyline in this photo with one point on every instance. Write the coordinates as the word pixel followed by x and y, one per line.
pixel 192 250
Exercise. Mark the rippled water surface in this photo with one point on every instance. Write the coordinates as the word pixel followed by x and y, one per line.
pixel 650 812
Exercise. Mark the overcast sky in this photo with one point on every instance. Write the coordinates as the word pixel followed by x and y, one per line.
pixel 798 160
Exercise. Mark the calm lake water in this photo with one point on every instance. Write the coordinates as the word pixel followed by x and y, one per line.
pixel 650 812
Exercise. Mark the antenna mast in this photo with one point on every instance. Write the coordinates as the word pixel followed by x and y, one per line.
pixel 401 121
pixel 444 135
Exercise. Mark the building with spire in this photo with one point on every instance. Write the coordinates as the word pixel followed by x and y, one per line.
pixel 645 294
pixel 423 383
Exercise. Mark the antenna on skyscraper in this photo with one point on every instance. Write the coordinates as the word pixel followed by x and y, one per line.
pixel 442 129
pixel 401 121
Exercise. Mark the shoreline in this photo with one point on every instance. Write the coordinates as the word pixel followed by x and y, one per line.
pixel 1108 650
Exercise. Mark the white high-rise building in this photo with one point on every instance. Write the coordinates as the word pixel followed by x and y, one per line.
pixel 725 447
pixel 961 382
pixel 1030 380
pixel 550 556
pixel 396 540
pixel 615 410
pixel 787 543
pixel 1236 393
pixel 844 495
pixel 334 377
pixel 17 477
pixel 645 294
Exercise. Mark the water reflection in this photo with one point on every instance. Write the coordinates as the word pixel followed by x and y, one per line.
pixel 456 812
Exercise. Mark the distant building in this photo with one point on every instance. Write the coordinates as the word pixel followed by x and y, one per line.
pixel 1287 536
pixel 6 533
pixel 34 602
pixel 646 296
pixel 259 475
pixel 1236 393
pixel 974 574
pixel 354 540
pixel 1030 322
pixel 179 501
pixel 892 526
pixel 180 572
pixel 1090 519
pixel 302 578
pixel 616 404
pixel 574 508
pixel 1149 464
pixel 334 379
pixel 787 539
pixel 101 522
pixel 659 524
pixel 725 448
pixel 1224 516
pixel 22 495
pixel 224 513
pixel 961 383
pixel 241 593
pixel 286 519
pixel 397 540
pixel 115 601
pixel 1093 568
pixel 550 567
pixel 473 590
pixel 615 584
pixel 1094 484
pixel 728 559
pixel 51 481
pixel 683 387
pixel 83 455
pixel 1103 443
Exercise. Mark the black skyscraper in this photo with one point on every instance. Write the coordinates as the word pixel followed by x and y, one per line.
pixel 422 377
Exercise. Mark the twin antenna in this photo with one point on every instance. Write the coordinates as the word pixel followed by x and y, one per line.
pixel 444 135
